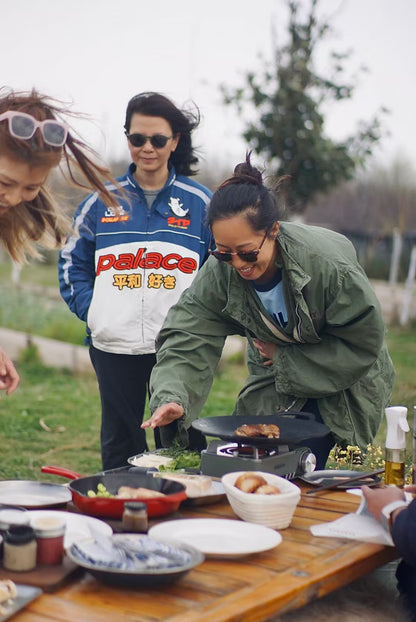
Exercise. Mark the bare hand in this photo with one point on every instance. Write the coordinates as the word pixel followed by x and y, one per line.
pixel 377 498
pixel 9 378
pixel 163 415
pixel 266 350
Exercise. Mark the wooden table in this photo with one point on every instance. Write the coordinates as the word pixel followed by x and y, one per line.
pixel 253 588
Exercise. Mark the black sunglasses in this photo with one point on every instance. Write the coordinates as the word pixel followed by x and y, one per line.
pixel 250 256
pixel 158 141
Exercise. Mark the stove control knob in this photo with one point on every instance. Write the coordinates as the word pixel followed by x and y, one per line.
pixel 308 462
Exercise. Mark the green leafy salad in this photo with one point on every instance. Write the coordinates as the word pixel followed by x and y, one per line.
pixel 180 458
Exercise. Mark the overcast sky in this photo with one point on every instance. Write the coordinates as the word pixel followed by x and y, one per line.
pixel 99 53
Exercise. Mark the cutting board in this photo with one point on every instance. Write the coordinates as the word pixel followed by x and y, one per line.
pixel 48 578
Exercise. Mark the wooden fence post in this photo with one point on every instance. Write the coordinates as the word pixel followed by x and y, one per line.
pixel 410 281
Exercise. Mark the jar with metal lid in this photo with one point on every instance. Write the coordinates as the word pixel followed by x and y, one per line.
pixel 135 517
pixel 19 552
pixel 49 532
pixel 12 516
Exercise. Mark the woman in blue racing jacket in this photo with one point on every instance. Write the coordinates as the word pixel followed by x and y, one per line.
pixel 121 272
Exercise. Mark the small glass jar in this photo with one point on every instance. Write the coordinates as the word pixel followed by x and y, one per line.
pixel 135 517
pixel 19 552
pixel 50 533
pixel 12 516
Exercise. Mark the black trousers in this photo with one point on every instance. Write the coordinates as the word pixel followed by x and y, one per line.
pixel 406 577
pixel 123 380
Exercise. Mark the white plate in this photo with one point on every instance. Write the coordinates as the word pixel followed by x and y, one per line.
pixel 77 525
pixel 25 594
pixel 217 537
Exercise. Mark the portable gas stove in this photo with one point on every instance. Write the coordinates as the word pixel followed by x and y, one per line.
pixel 219 459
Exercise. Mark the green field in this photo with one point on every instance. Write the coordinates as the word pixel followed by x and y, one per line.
pixel 54 416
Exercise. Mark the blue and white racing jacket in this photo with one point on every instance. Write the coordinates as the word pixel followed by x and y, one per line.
pixel 122 270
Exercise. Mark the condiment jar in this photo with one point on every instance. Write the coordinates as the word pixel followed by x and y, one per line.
pixel 135 517
pixel 50 532
pixel 12 516
pixel 19 552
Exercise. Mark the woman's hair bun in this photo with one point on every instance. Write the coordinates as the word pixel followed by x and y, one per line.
pixel 245 173
pixel 248 172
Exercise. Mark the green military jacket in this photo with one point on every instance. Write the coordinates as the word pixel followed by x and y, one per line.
pixel 333 348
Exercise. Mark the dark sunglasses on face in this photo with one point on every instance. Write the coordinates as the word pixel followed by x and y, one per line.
pixel 158 141
pixel 250 256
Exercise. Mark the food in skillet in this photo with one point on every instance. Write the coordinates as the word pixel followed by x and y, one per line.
pixel 126 492
pixel 8 591
pixel 269 430
pixel 256 484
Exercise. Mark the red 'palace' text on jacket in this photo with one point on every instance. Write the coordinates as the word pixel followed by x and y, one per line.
pixel 121 272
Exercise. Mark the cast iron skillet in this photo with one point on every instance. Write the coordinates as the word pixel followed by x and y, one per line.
pixel 295 428
pixel 112 507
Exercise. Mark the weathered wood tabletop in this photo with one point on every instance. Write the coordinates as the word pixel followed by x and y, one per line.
pixel 253 588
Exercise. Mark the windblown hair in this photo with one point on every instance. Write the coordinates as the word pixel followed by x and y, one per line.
pixel 42 221
pixel 245 193
pixel 182 122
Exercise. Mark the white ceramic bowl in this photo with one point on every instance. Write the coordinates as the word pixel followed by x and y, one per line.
pixel 275 511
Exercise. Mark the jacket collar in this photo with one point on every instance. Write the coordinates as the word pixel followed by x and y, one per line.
pixel 132 180
pixel 245 307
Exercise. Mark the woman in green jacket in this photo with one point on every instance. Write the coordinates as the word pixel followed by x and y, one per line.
pixel 316 336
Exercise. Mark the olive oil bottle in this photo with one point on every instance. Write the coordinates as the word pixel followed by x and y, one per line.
pixel 397 427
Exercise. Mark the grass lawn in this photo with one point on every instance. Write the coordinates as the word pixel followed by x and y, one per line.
pixel 54 417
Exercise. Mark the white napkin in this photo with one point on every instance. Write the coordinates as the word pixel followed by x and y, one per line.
pixel 358 526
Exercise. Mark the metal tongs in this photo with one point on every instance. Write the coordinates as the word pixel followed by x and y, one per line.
pixel 343 481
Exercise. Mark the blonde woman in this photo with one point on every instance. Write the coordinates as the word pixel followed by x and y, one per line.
pixel 34 139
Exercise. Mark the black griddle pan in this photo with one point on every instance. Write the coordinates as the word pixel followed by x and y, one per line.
pixel 295 428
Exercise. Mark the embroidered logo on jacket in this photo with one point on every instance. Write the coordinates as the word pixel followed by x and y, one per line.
pixel 112 214
pixel 177 207
pixel 181 223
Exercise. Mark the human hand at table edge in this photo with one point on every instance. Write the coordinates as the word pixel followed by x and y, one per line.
pixel 9 378
pixel 377 498
pixel 163 415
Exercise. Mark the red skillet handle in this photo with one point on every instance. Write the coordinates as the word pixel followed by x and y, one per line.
pixel 53 470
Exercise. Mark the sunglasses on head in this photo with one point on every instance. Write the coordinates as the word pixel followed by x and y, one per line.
pixel 23 125
pixel 250 256
pixel 158 141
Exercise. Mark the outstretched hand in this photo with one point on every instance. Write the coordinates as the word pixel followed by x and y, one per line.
pixel 163 415
pixel 9 378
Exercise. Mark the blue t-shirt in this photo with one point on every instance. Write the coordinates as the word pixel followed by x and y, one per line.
pixel 272 298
